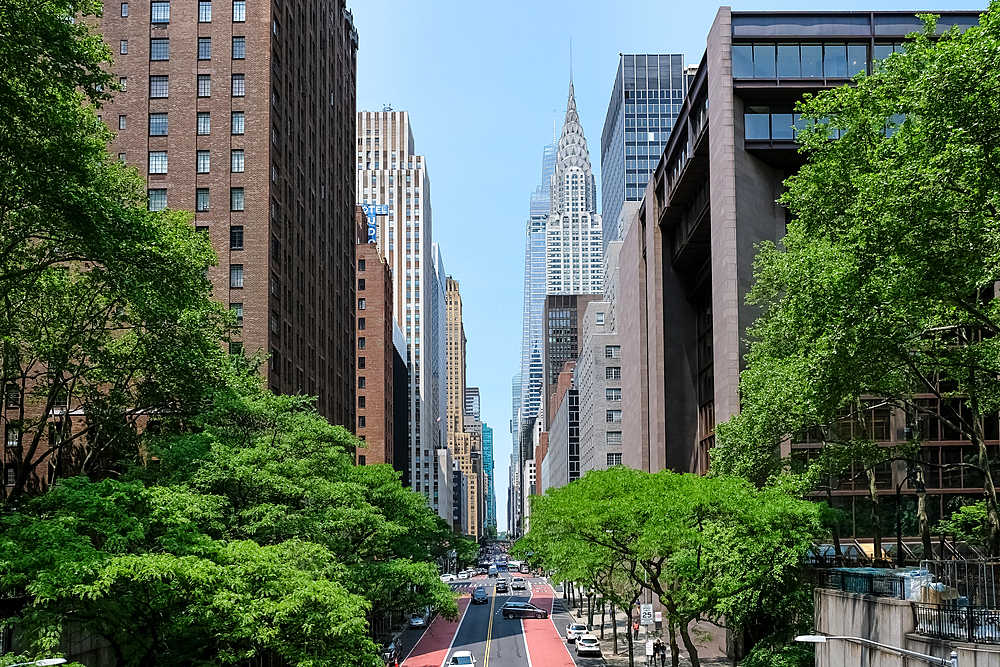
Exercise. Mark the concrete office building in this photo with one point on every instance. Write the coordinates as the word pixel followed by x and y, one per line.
pixel 229 116
pixel 390 173
pixel 645 100
pixel 598 376
pixel 686 262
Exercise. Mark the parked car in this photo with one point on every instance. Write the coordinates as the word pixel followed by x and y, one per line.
pixel 518 583
pixel 447 578
pixel 463 658
pixel 479 596
pixel 574 631
pixel 390 651
pixel 522 610
pixel 502 585
pixel 588 644
pixel 418 621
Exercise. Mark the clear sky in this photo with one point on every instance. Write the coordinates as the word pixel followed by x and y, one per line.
pixel 481 81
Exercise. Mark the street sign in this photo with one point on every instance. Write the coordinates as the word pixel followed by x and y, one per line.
pixel 646 614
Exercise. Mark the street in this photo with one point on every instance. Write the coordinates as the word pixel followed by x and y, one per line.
pixel 494 640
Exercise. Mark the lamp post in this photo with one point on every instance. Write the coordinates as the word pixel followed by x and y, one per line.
pixel 46 661
pixel 951 661
pixel 914 477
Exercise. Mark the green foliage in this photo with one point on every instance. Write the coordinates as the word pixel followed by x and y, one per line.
pixel 968 524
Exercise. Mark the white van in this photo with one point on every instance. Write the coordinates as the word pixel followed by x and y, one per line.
pixel 492 571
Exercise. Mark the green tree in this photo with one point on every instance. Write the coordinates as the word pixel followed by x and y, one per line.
pixel 885 283
pixel 713 548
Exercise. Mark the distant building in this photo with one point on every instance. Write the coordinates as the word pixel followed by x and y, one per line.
pixel 647 96
pixel 562 316
pixel 472 406
pixel 598 378
pixel 376 357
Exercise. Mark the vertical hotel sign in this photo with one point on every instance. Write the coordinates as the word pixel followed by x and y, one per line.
pixel 372 210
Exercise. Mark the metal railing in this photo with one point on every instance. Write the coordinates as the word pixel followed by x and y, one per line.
pixel 866 583
pixel 964 624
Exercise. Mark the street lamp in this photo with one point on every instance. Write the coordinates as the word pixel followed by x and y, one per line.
pixel 46 661
pixel 914 477
pixel 951 661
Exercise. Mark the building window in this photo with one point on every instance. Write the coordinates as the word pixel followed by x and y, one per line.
pixel 236 237
pixel 160 12
pixel 235 199
pixel 124 9
pixel 204 85
pixel 237 309
pixel 122 83
pixel 238 122
pixel 123 47
pixel 613 416
pixel 361 324
pixel 121 121
pixel 361 284
pixel 361 265
pixel 158 124
pixel 239 48
pixel 159 49
pixel 361 343
pixel 121 157
pixel 613 394
pixel 612 351
pixel 13 436
pixel 361 362
pixel 235 275
pixel 204 122
pixel 361 383
pixel 10 474
pixel 159 86
pixel 613 373
pixel 12 400
pixel 239 85
pixel 201 229
pixel 361 421
pixel 157 199
pixel 361 304
pixel 361 459
pixel 614 458
pixel 204 162
pixel 239 11
pixel 158 162
pixel 204 48
pixel 236 348
pixel 236 161
pixel 600 318
pixel 205 11
pixel 614 437
pixel 361 402
pixel 201 200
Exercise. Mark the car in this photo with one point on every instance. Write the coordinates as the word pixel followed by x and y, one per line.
pixel 479 596
pixel 518 583
pixel 390 651
pixel 463 575
pixel 493 570
pixel 522 610
pixel 502 585
pixel 418 621
pixel 447 578
pixel 462 658
pixel 574 631
pixel 588 644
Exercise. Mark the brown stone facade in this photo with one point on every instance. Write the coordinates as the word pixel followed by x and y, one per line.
pixel 244 114
pixel 375 356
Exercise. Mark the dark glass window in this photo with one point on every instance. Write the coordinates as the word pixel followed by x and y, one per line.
pixel 742 61
pixel 835 61
pixel 236 237
pixel 788 61
pixel 201 199
pixel 763 61
pixel 812 60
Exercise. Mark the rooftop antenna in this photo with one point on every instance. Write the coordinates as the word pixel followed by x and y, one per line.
pixel 555 126
pixel 571 60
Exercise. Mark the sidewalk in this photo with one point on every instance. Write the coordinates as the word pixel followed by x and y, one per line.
pixel 638 645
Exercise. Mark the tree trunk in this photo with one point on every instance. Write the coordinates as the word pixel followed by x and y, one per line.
pixel 925 524
pixel 675 654
pixel 614 630
pixel 628 628
pixel 688 644
pixel 602 619
pixel 876 517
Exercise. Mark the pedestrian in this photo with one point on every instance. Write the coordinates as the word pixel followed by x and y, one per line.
pixel 659 650
pixel 663 654
pixel 635 629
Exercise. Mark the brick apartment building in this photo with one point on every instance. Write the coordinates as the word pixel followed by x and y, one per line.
pixel 376 357
pixel 244 113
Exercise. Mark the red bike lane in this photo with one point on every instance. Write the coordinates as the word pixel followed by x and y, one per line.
pixel 541 637
pixel 432 648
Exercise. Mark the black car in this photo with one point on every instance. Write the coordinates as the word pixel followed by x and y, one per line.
pixel 501 586
pixel 479 596
pixel 522 610
pixel 390 651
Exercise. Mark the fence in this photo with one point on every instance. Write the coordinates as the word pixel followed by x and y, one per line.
pixel 976 580
pixel 964 624
pixel 866 583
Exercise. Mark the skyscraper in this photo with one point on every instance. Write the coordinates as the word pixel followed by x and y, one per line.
pixel 391 174
pixel 491 493
pixel 573 232
pixel 201 112
pixel 645 101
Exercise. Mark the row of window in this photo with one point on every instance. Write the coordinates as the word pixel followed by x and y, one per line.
pixel 158 199
pixel 203 161
pixel 160 11
pixel 159 48
pixel 799 61
pixel 159 85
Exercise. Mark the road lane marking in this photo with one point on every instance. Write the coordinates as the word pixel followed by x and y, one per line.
pixel 489 630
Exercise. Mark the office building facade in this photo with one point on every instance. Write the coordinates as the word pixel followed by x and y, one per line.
pixel 230 118
pixel 647 95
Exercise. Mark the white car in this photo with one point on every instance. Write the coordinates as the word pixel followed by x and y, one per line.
pixel 447 577
pixel 418 621
pixel 462 658
pixel 463 575
pixel 588 644
pixel 575 631
pixel 517 583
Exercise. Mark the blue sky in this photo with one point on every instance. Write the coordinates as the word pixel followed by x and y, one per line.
pixel 481 81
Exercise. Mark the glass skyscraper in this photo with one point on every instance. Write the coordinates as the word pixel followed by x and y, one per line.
pixel 645 101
